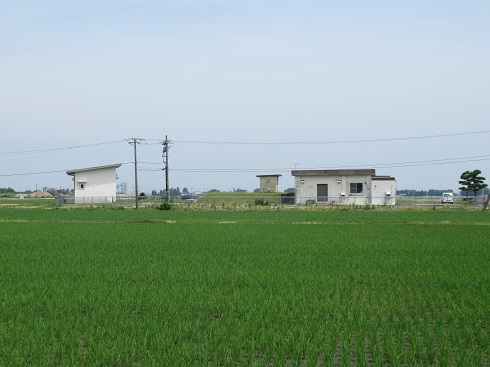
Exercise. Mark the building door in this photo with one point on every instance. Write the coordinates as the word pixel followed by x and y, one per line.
pixel 322 193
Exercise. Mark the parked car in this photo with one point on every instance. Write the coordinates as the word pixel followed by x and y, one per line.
pixel 447 198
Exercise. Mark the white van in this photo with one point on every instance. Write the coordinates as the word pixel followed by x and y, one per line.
pixel 447 198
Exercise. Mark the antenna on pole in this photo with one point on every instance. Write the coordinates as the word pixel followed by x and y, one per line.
pixel 134 142
pixel 166 147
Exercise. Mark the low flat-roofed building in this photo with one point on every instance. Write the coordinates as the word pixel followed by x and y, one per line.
pixel 269 183
pixel 343 187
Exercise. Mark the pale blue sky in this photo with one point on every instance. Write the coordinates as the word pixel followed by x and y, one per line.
pixel 84 72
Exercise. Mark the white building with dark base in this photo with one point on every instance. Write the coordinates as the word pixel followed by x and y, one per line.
pixel 343 187
pixel 95 184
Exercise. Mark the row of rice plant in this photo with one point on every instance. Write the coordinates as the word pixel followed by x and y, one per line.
pixel 338 215
pixel 182 288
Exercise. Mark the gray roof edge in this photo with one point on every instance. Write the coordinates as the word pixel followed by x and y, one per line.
pixel 334 172
pixel 273 175
pixel 73 171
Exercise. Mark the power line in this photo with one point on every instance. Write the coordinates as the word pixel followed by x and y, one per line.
pixel 44 156
pixel 30 173
pixel 141 162
pixel 477 158
pixel 225 170
pixel 378 165
pixel 434 164
pixel 160 141
pixel 20 152
pixel 41 172
pixel 333 141
pixel 438 161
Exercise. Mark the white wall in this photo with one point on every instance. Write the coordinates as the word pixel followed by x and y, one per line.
pixel 308 190
pixel 380 188
pixel 99 186
pixel 374 191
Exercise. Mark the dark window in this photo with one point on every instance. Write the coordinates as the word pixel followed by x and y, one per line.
pixel 356 187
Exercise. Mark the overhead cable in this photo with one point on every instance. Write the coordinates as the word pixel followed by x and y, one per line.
pixel 378 165
pixel 42 172
pixel 333 141
pixel 57 149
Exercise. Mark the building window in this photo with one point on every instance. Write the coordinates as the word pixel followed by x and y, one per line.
pixel 356 187
pixel 82 187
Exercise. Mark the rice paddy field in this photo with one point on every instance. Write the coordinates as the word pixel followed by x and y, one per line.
pixel 244 288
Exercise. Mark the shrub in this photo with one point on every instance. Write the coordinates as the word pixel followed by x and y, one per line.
pixel 164 206
pixel 261 201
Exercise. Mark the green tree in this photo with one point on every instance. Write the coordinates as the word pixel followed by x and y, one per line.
pixel 471 181
pixel 7 190
pixel 175 192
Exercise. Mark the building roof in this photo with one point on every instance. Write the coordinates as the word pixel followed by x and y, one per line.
pixel 73 171
pixel 383 178
pixel 333 172
pixel 277 175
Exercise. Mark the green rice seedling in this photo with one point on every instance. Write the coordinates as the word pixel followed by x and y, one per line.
pixel 243 288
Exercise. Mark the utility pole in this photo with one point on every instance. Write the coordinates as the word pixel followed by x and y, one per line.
pixel 166 146
pixel 134 142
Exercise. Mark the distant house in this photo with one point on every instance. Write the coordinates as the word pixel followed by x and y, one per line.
pixel 269 183
pixel 343 187
pixel 95 184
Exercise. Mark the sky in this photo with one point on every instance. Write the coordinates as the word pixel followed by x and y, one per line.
pixel 243 88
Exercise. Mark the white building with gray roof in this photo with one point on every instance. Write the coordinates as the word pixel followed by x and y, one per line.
pixel 343 187
pixel 95 184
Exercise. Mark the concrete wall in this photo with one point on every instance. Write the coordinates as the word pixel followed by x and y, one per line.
pixel 380 191
pixel 95 186
pixel 339 190
pixel 269 184
pixel 306 189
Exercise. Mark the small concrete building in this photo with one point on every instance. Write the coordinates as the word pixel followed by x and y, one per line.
pixel 343 187
pixel 95 184
pixel 269 183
